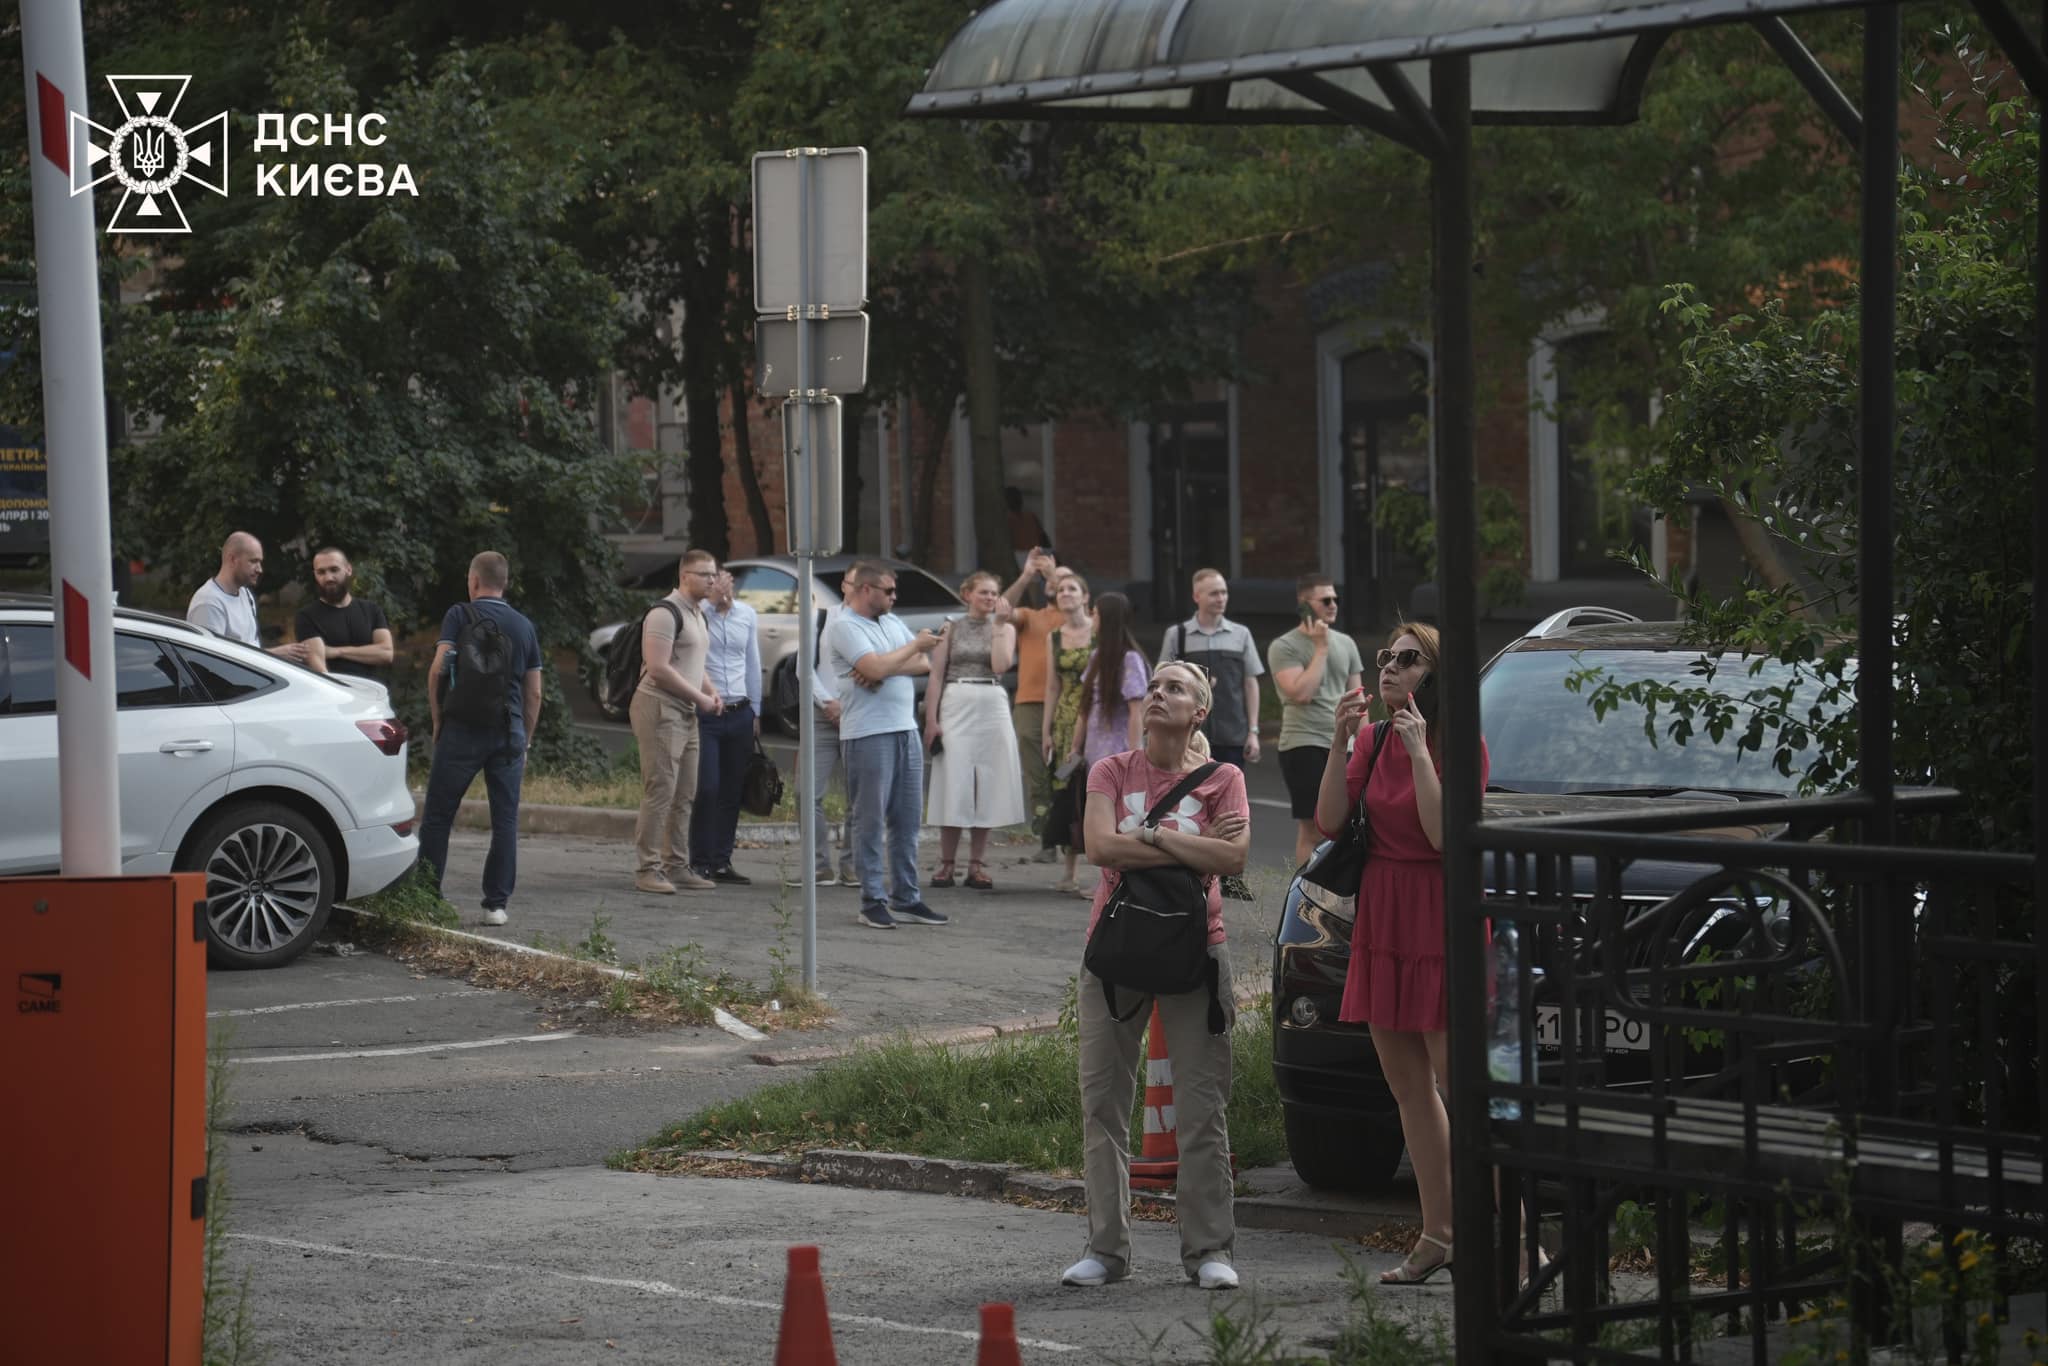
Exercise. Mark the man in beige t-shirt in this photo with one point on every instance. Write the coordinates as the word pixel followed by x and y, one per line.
pixel 674 642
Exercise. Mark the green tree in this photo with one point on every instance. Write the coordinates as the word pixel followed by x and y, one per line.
pixel 406 377
pixel 1766 418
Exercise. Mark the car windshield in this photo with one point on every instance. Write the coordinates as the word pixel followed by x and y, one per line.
pixel 1542 737
pixel 916 591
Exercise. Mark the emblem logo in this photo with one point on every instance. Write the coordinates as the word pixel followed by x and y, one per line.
pixel 150 154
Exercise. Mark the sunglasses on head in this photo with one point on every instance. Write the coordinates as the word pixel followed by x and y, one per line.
pixel 1401 658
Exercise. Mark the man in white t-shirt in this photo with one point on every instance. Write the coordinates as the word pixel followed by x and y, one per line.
pixel 226 603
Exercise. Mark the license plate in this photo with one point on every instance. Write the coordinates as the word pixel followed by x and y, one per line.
pixel 1624 1035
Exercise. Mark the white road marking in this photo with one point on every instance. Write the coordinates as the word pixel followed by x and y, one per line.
pixel 1273 802
pixel 356 1001
pixel 420 1048
pixel 660 1288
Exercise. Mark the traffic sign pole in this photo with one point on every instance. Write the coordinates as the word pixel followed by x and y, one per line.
pixel 802 515
pixel 75 440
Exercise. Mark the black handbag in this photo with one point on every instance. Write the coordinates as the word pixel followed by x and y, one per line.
pixel 1153 935
pixel 1339 865
pixel 761 788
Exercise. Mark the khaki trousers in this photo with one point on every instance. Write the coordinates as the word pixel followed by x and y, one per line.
pixel 1110 1053
pixel 666 729
pixel 1027 718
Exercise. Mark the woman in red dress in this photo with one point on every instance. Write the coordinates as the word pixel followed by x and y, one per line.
pixel 1395 982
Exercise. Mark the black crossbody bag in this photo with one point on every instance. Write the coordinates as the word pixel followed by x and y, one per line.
pixel 1339 865
pixel 1153 936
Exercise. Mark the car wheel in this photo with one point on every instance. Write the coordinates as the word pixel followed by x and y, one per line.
pixel 615 709
pixel 1344 1152
pixel 270 884
pixel 786 702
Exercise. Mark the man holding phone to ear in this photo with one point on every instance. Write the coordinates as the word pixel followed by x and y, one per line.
pixel 1313 666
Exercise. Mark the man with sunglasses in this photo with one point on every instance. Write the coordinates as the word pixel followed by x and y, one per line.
pixel 1313 666
pixel 871 648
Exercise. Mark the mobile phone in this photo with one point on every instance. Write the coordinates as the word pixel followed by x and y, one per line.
pixel 1306 612
pixel 1426 698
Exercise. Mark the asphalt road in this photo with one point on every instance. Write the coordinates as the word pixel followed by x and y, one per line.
pixel 416 1174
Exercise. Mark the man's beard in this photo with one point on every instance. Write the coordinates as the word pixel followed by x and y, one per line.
pixel 332 593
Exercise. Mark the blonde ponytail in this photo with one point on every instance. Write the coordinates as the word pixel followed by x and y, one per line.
pixel 1198 745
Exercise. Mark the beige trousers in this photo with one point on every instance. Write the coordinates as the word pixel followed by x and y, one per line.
pixel 666 729
pixel 1110 1054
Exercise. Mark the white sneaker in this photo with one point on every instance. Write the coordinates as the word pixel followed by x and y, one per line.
pixel 495 915
pixel 1217 1276
pixel 1087 1272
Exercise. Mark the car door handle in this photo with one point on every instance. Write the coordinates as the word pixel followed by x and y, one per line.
pixel 184 747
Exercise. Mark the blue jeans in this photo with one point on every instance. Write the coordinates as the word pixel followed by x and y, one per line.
pixel 460 753
pixel 724 744
pixel 885 787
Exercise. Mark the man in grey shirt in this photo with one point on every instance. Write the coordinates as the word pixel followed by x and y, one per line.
pixel 1226 651
pixel 226 603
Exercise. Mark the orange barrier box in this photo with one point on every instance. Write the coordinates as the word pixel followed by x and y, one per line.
pixel 103 1066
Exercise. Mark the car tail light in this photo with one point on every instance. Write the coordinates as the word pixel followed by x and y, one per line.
pixel 403 828
pixel 388 735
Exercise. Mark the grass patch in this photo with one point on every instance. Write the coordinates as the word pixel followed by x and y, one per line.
pixel 1013 1100
pixel 227 1318
pixel 619 790
pixel 412 900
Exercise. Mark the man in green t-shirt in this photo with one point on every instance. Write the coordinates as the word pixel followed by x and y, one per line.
pixel 1313 666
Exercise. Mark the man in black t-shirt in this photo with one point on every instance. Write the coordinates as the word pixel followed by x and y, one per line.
pixel 357 635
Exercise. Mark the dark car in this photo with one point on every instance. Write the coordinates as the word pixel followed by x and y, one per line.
pixel 1548 755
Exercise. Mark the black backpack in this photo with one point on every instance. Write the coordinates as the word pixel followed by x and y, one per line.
pixel 1153 934
pixel 625 664
pixel 481 693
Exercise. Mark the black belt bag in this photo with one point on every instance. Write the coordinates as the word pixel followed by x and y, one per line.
pixel 1153 936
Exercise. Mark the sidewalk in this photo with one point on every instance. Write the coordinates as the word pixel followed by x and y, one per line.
pixel 1003 962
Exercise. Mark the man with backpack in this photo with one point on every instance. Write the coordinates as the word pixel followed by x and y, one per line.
pixel 483 693
pixel 671 693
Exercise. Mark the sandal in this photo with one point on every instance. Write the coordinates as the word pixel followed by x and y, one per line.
pixel 1070 886
pixel 942 876
pixel 1410 1272
pixel 977 877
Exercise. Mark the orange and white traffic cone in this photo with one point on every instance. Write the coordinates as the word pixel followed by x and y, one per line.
pixel 806 1335
pixel 998 1337
pixel 1158 1164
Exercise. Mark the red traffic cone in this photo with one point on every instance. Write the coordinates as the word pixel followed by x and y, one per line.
pixel 998 1336
pixel 806 1335
pixel 1158 1166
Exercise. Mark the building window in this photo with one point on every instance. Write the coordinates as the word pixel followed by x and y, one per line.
pixel 1601 419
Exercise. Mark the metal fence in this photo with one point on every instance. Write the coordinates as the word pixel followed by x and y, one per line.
pixel 1816 1043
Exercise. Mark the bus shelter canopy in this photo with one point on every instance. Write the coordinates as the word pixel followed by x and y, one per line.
pixel 1312 61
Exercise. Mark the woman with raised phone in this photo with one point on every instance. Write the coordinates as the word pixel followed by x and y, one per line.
pixel 1395 982
pixel 1155 811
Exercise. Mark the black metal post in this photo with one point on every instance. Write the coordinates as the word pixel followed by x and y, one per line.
pixel 1450 85
pixel 1882 939
pixel 2040 599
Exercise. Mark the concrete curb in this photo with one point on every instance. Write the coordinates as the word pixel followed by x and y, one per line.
pixel 720 1016
pixel 1335 1216
pixel 1042 1023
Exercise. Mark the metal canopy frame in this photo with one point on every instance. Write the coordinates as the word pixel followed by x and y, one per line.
pixel 1440 129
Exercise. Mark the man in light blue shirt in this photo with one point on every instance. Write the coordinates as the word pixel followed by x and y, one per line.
pixel 876 655
pixel 726 740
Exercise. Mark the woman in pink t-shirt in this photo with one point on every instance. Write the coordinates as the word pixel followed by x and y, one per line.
pixel 1395 982
pixel 1209 831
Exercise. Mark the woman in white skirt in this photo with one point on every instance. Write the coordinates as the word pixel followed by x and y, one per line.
pixel 977 781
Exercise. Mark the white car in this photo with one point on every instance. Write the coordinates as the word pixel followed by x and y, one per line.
pixel 285 787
